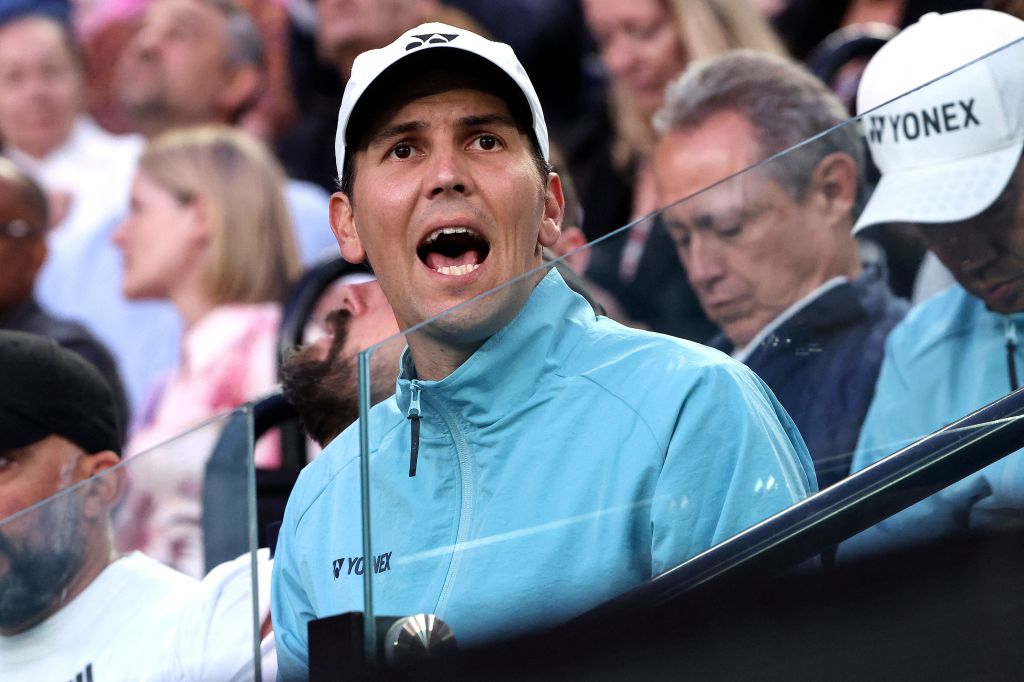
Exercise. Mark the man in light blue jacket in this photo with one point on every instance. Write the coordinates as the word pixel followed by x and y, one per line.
pixel 536 459
pixel 961 185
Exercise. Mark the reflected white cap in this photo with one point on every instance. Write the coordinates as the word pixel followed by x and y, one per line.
pixel 946 150
pixel 426 39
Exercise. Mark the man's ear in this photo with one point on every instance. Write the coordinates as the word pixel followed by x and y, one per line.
pixel 105 489
pixel 241 90
pixel 554 209
pixel 343 225
pixel 834 185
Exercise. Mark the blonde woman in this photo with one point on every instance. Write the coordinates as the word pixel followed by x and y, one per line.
pixel 208 230
pixel 644 45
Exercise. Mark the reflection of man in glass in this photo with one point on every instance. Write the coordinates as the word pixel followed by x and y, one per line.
pixel 536 459
pixel 68 605
pixel 769 253
pixel 950 160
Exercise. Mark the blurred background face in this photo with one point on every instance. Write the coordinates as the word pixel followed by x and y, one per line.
pixel 640 46
pixel 40 88
pixel 22 248
pixel 986 253
pixel 749 248
pixel 344 28
pixel 176 64
pixel 157 241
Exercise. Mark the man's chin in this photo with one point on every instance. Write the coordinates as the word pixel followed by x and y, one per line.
pixel 470 322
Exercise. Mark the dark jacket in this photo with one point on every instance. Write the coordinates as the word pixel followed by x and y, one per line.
pixel 822 364
pixel 29 317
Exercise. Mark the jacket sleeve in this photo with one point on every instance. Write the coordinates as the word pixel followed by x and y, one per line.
pixel 898 416
pixel 734 459
pixel 290 606
pixel 890 423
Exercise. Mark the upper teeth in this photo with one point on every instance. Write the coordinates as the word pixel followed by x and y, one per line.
pixel 432 237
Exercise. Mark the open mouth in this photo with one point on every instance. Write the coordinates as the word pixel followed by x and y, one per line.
pixel 453 251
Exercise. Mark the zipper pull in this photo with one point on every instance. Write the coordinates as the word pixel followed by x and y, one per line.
pixel 1011 352
pixel 415 415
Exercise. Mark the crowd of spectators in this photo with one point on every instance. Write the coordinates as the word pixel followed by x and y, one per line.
pixel 167 174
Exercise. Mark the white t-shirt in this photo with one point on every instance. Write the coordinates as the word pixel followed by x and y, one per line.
pixel 110 632
pixel 214 637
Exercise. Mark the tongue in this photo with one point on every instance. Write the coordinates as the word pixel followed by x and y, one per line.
pixel 435 260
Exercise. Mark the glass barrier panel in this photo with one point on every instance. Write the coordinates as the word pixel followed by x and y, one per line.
pixel 540 457
pixel 134 569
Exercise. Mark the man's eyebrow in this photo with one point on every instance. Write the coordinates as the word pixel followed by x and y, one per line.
pixel 397 130
pixel 486 120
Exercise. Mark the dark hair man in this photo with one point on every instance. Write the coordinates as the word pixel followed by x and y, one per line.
pixel 950 157
pixel 769 253
pixel 192 62
pixel 320 379
pixel 69 606
pixel 201 61
pixel 23 222
pixel 536 459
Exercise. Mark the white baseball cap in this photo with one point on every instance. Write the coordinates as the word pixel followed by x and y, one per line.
pixel 429 39
pixel 948 147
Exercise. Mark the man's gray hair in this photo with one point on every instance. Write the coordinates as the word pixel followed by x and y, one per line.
pixel 784 104
pixel 244 42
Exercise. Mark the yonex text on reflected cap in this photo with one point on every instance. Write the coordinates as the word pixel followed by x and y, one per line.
pixel 946 150
pixel 428 39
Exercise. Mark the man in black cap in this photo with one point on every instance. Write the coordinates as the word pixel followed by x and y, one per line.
pixel 60 439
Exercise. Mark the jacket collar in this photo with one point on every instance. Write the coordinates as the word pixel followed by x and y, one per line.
pixel 842 305
pixel 510 365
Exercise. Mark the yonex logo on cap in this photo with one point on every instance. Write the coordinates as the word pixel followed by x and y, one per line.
pixel 940 119
pixel 431 39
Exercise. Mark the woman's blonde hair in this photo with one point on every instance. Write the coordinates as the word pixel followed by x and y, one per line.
pixel 707 28
pixel 251 256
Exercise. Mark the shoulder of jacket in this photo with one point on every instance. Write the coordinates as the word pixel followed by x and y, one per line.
pixel 319 476
pixel 930 325
pixel 609 346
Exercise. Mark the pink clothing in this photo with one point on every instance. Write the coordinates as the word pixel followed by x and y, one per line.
pixel 227 359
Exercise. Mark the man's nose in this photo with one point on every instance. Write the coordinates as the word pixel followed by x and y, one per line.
pixel 976 253
pixel 352 300
pixel 704 263
pixel 449 171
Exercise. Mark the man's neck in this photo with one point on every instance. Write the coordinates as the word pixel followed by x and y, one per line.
pixel 435 360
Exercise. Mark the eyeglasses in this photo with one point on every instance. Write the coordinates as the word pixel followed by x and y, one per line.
pixel 17 229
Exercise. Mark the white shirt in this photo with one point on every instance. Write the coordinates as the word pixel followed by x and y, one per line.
pixel 110 632
pixel 214 637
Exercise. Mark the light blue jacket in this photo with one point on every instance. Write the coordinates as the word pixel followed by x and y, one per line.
pixel 945 360
pixel 568 460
